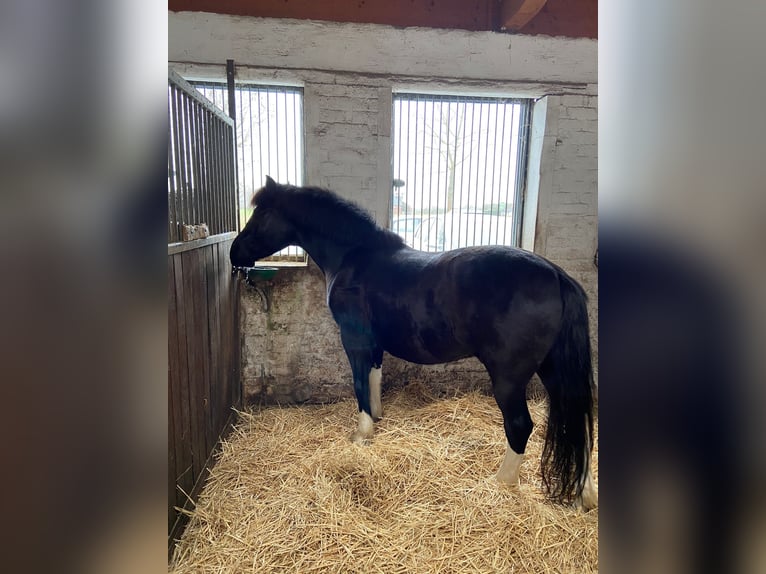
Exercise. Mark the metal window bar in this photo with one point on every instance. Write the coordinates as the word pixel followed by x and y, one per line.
pixel 463 162
pixel 202 185
pixel 269 141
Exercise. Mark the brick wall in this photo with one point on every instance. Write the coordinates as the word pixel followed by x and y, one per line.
pixel 292 352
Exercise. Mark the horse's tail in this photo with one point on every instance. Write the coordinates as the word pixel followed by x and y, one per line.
pixel 567 375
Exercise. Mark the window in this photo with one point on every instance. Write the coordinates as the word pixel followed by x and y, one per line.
pixel 459 165
pixel 269 141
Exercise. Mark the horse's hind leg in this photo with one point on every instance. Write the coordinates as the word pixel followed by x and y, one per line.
pixel 509 386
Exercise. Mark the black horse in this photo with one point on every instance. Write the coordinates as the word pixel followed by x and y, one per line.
pixel 518 313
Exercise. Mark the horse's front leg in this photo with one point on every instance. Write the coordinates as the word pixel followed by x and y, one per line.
pixel 365 361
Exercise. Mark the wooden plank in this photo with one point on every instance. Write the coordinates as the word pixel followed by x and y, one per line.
pixel 182 246
pixel 227 341
pixel 172 402
pixel 234 387
pixel 202 309
pixel 191 266
pixel 184 466
pixel 214 327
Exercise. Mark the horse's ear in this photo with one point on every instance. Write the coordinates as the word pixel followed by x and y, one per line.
pixel 270 183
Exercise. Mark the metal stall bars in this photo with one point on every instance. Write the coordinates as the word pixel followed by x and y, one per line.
pixel 269 140
pixel 459 165
pixel 201 188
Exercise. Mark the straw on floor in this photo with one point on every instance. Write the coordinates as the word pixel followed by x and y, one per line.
pixel 290 493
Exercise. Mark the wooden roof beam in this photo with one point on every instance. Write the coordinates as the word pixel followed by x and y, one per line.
pixel 515 14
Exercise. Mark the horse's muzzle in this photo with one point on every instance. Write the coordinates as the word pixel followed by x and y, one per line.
pixel 237 256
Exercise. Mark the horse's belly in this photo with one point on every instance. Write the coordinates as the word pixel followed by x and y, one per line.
pixel 426 346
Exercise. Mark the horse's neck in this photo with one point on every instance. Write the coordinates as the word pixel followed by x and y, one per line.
pixel 327 254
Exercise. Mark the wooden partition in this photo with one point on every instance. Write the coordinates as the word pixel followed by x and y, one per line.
pixel 203 365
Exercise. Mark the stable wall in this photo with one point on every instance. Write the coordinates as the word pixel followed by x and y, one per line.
pixel 292 352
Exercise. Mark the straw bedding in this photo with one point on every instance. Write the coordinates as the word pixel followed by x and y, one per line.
pixel 290 493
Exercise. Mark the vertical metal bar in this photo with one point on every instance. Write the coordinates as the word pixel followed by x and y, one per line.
pixel 230 89
pixel 422 161
pixel 180 153
pixel 260 137
pixel 480 209
pixel 439 174
pixel 217 153
pixel 484 187
pixel 521 161
pixel 192 192
pixel 210 171
pixel 459 152
pixel 455 182
pixel 231 171
pixel 197 163
pixel 205 165
pixel 180 174
pixel 225 184
pixel 409 182
pixel 502 195
pixel 172 217
pixel 287 151
pixel 276 133
pixel 296 145
pixel 232 196
pixel 514 122
pixel 253 185
pixel 494 226
pixel 242 167
pixel 470 168
pixel 447 172
pixel 301 140
pixel 398 128
pixel 231 177
pixel 268 135
pixel 432 101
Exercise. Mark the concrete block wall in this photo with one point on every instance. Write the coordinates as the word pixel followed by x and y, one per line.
pixel 292 352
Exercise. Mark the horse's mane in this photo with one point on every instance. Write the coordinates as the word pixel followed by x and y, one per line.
pixel 324 212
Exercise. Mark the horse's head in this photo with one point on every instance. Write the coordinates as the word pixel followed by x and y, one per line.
pixel 266 232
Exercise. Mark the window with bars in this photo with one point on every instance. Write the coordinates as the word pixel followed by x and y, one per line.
pixel 459 165
pixel 269 140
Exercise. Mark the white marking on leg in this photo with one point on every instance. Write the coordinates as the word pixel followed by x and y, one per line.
pixel 589 497
pixel 376 408
pixel 364 429
pixel 509 470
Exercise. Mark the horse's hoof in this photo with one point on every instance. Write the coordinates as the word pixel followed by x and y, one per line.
pixel 588 499
pixel 505 483
pixel 359 438
pixel 586 503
